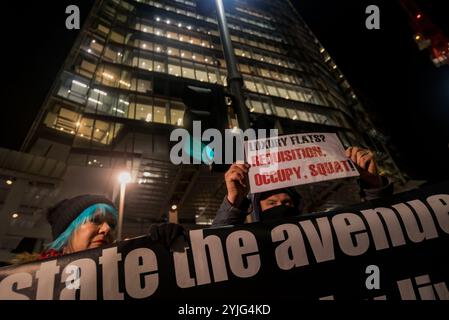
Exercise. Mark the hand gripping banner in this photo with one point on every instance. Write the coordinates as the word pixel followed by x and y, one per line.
pixel 390 249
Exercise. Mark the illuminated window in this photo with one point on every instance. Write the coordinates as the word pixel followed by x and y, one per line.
pixel 256 106
pixel 174 68
pixel 272 90
pixel 250 85
pixel 212 76
pixel 186 54
pixel 292 114
pixel 144 111
pixel 144 86
pixel 176 113
pixel 201 73
pixel 187 70
pixel 280 112
pixel 173 52
pixel 160 115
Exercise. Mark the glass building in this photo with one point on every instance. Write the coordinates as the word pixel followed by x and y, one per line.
pixel 117 98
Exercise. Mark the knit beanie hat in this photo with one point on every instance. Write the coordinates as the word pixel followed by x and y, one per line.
pixel 63 213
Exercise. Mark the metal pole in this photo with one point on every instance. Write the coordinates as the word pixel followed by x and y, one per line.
pixel 120 211
pixel 235 79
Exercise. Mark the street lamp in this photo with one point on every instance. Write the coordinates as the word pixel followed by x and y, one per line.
pixel 235 79
pixel 124 178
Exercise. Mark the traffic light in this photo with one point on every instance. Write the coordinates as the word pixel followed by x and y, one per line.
pixel 205 109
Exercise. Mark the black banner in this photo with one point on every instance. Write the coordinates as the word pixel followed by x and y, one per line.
pixel 389 249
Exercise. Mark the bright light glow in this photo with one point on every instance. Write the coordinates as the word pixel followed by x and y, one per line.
pixel 124 177
pixel 168 21
pixel 418 37
pixel 100 92
pixel 174 207
pixel 90 51
pixel 79 84
pixel 419 16
pixel 9 182
pixel 94 101
pixel 189 27
pixel 118 110
pixel 158 19
pixel 108 75
pixel 144 46
pixel 124 102
pixel 93 41
pixel 144 29
pixel 147 174
pixel 125 83
pixel 15 216
pixel 322 50
pixel 180 25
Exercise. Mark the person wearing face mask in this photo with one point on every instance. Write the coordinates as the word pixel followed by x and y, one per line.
pixel 89 221
pixel 286 202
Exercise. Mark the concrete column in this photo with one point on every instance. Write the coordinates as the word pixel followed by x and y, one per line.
pixel 11 205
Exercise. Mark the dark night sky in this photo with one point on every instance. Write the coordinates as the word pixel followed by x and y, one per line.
pixel 408 95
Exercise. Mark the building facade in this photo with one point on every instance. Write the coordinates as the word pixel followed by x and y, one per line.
pixel 118 97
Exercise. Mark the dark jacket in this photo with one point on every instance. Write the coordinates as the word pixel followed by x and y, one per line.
pixel 230 215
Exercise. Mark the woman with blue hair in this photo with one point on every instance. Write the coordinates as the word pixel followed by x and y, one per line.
pixel 81 223
pixel 89 221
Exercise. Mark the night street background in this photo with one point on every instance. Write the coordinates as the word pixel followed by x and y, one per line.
pixel 407 95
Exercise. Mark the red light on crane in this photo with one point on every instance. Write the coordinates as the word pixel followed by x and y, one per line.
pixel 418 16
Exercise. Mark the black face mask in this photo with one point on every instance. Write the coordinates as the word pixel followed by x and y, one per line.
pixel 279 212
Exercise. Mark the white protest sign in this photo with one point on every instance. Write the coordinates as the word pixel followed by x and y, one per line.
pixel 297 159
